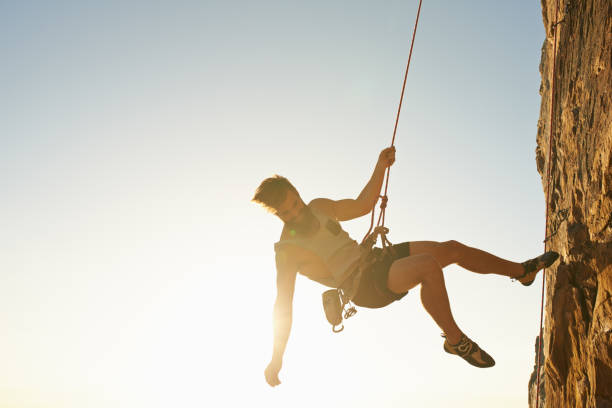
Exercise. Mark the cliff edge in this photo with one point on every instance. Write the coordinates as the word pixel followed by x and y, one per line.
pixel 576 369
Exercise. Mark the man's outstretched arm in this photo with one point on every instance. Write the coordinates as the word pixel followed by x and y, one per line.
pixel 286 271
pixel 354 208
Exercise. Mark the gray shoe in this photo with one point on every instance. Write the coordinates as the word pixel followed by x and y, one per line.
pixel 470 352
pixel 533 266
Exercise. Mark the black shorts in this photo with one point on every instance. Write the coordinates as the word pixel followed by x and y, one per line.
pixel 373 291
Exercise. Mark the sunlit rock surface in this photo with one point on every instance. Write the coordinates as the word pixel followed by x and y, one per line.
pixel 577 346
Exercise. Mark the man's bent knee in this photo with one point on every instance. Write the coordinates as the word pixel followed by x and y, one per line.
pixel 453 251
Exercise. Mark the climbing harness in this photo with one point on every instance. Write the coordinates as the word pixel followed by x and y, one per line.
pixel 550 138
pixel 337 301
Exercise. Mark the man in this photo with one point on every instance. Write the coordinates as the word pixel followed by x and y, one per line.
pixel 313 244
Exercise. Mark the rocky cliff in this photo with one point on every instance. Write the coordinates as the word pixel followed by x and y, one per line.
pixel 576 366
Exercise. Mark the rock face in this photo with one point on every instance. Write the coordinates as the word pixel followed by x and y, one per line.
pixel 576 366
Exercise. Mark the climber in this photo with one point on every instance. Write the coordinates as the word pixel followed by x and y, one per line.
pixel 313 243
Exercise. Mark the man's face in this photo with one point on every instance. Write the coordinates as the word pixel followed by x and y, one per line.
pixel 291 209
pixel 294 213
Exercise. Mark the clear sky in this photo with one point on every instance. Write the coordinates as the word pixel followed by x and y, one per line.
pixel 135 272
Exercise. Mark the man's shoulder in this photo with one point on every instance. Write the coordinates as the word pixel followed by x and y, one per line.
pixel 324 205
pixel 288 247
pixel 285 242
pixel 285 233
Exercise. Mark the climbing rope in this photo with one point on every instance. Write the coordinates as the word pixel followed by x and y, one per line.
pixel 380 224
pixel 548 176
pixel 336 301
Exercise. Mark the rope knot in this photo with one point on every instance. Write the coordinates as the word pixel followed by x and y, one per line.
pixel 383 201
pixel 380 230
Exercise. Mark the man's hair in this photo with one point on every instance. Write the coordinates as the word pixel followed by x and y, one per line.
pixel 272 191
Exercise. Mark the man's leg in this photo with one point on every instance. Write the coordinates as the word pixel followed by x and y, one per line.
pixel 472 259
pixel 406 273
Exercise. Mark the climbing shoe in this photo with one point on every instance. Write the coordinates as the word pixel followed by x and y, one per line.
pixel 532 266
pixel 470 352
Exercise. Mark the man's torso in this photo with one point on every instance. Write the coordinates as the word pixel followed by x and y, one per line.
pixel 308 262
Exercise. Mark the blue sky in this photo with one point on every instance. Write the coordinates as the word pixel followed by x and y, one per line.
pixel 132 135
